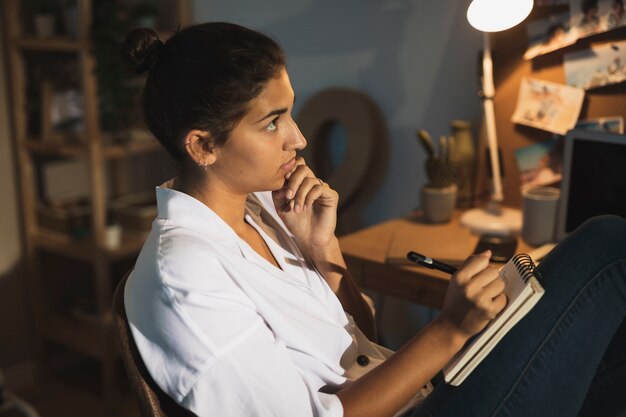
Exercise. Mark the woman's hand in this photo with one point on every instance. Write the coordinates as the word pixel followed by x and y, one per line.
pixel 308 207
pixel 474 296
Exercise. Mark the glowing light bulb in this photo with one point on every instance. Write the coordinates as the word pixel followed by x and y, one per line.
pixel 497 15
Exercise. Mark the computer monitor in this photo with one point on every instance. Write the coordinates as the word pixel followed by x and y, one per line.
pixel 594 178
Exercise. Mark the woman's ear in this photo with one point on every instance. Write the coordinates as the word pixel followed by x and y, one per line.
pixel 200 148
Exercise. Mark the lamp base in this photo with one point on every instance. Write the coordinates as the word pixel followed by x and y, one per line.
pixel 501 221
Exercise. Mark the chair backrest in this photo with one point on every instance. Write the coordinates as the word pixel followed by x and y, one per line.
pixel 153 402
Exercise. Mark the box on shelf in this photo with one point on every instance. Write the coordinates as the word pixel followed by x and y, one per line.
pixel 136 213
pixel 70 218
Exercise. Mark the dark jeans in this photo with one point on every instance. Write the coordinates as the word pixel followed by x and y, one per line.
pixel 567 357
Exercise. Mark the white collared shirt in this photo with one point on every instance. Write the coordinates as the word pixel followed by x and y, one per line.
pixel 226 333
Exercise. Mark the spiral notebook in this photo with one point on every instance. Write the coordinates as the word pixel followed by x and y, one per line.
pixel 523 291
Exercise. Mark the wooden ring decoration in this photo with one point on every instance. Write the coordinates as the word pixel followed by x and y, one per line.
pixel 362 121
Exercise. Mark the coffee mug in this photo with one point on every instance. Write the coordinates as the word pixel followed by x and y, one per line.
pixel 539 209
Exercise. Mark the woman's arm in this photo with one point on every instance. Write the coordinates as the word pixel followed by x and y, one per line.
pixel 474 297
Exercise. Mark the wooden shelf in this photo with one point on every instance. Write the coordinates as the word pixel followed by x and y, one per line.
pixel 55 149
pixel 83 336
pixel 86 249
pixel 103 154
pixel 115 151
pixel 56 43
pixel 78 150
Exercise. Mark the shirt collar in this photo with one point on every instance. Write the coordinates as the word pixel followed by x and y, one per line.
pixel 185 211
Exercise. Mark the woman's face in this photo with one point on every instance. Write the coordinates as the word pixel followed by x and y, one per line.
pixel 261 149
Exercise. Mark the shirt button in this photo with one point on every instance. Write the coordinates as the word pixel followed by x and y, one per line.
pixel 362 360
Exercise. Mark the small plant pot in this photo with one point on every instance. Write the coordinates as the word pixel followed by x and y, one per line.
pixel 438 203
pixel 45 25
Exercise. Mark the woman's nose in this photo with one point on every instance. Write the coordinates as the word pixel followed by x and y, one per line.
pixel 296 139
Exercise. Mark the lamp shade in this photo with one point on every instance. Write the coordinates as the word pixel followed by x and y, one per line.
pixel 497 15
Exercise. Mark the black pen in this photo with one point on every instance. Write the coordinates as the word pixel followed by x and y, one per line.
pixel 431 263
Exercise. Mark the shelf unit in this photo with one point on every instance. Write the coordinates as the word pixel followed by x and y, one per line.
pixel 93 338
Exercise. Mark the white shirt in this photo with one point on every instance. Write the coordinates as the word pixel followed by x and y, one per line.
pixel 224 332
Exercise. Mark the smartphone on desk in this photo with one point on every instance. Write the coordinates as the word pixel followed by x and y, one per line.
pixel 502 247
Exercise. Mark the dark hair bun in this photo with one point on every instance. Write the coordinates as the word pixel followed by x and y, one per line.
pixel 140 50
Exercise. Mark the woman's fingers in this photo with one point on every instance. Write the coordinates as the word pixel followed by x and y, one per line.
pixel 472 266
pixel 309 190
pixel 296 177
pixel 302 188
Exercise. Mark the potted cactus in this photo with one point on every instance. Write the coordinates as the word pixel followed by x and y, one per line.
pixel 440 193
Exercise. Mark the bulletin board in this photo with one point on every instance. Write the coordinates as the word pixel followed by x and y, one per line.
pixel 508 48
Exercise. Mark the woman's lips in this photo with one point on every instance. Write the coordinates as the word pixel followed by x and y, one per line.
pixel 289 165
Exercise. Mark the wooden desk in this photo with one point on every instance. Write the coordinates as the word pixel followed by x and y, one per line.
pixel 366 253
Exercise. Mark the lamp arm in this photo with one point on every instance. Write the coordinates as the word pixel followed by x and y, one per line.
pixel 490 120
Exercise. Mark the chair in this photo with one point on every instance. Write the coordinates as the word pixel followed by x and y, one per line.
pixel 8 401
pixel 153 402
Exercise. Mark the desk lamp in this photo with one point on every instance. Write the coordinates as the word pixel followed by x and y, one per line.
pixel 494 16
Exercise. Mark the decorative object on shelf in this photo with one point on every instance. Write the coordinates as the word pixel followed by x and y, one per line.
pixel 117 94
pixel 62 114
pixel 440 194
pixel 145 14
pixel 70 18
pixel 464 155
pixel 44 17
pixel 494 16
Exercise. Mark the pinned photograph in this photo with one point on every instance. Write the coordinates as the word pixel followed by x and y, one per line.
pixel 551 2
pixel 596 66
pixel 603 124
pixel 589 17
pixel 539 164
pixel 549 34
pixel 617 15
pixel 548 106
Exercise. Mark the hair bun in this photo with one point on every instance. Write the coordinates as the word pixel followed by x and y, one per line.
pixel 140 50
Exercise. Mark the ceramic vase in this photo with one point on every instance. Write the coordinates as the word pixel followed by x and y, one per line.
pixel 464 155
pixel 45 25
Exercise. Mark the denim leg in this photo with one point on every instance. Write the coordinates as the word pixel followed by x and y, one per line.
pixel 545 365
pixel 602 399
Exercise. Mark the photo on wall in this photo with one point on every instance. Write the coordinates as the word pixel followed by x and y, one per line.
pixel 589 17
pixel 550 2
pixel 549 34
pixel 614 124
pixel 540 164
pixel 548 106
pixel 597 66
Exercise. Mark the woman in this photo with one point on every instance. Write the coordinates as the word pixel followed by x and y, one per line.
pixel 240 301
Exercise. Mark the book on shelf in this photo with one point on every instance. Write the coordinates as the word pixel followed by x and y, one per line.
pixel 523 291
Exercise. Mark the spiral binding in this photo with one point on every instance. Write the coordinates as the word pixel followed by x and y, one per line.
pixel 525 266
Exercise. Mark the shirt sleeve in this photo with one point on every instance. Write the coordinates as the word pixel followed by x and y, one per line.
pixel 257 378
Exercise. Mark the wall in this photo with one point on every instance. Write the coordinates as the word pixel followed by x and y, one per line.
pixel 16 325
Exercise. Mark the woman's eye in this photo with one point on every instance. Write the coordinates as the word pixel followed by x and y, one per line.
pixel 272 126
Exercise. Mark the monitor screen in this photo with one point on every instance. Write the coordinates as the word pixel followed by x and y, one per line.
pixel 594 178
